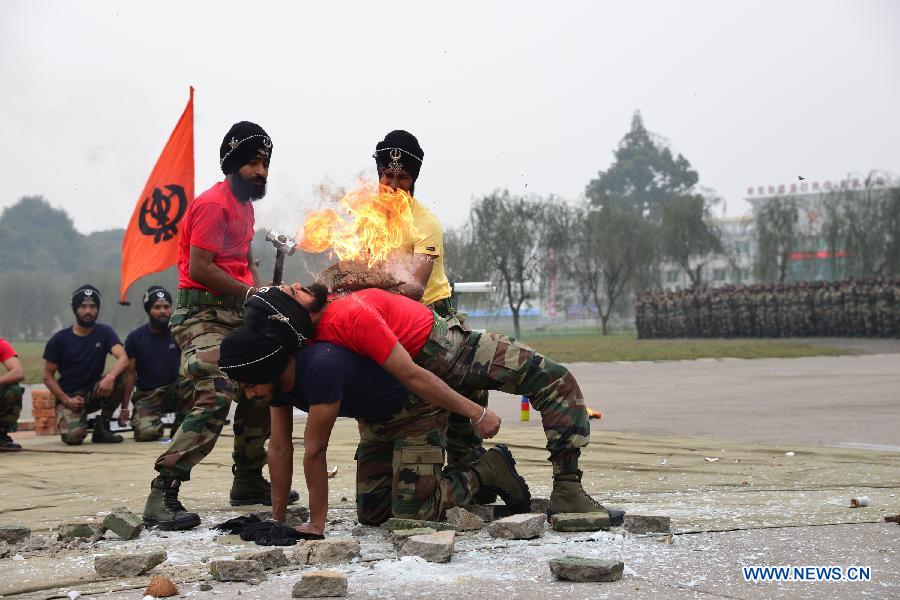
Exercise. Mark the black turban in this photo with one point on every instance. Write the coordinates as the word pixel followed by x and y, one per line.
pixel 249 357
pixel 87 291
pixel 156 292
pixel 243 143
pixel 276 315
pixel 399 150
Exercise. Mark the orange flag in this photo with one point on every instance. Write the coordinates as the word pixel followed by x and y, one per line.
pixel 151 240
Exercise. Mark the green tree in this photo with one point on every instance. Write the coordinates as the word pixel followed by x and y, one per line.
pixel 777 233
pixel 687 234
pixel 35 236
pixel 644 173
pixel 509 231
pixel 606 249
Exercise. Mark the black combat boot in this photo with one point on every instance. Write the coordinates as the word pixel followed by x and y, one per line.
pixel 569 497
pixel 164 510
pixel 496 471
pixel 484 495
pixel 250 487
pixel 102 434
pixel 7 442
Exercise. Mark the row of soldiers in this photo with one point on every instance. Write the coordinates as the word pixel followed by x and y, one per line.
pixel 867 307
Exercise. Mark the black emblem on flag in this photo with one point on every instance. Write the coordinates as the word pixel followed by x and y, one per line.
pixel 158 207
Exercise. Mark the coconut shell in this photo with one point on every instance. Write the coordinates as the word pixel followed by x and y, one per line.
pixel 161 587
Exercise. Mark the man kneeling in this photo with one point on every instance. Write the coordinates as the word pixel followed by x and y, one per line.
pixel 401 452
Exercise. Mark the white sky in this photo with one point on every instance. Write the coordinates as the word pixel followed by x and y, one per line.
pixel 500 94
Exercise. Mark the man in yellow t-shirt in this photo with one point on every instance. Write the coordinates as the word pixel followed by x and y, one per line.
pixel 398 158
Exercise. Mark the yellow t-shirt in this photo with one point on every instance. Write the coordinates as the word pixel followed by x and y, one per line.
pixel 429 239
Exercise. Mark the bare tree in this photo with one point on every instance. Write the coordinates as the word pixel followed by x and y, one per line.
pixel 509 232
pixel 777 233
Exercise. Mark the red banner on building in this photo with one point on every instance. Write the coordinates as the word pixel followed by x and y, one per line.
pixel 151 240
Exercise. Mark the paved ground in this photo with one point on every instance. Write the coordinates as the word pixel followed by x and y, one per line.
pixel 755 461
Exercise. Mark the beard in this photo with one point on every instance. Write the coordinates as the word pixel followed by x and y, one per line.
pixel 161 324
pixel 86 323
pixel 319 292
pixel 248 189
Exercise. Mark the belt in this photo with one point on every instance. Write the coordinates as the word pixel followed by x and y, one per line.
pixel 193 297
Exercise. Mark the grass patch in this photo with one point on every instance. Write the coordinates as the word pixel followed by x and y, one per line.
pixel 581 345
pixel 588 346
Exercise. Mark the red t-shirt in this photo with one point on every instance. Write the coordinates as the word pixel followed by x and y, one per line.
pixel 6 351
pixel 218 222
pixel 370 322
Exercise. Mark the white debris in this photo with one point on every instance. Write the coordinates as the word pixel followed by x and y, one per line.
pixel 789 454
pixel 712 459
pixel 73 595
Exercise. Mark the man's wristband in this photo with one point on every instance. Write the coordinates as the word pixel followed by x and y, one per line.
pixel 481 418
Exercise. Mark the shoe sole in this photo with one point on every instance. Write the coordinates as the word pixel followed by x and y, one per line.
pixel 292 498
pixel 171 526
pixel 525 506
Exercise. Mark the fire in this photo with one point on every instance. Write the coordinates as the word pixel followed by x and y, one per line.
pixel 367 225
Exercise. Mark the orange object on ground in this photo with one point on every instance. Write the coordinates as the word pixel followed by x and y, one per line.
pixel 593 414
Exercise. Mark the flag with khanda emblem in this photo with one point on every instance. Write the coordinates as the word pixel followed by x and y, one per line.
pixel 151 240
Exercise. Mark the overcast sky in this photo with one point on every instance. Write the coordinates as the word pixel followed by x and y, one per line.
pixel 529 96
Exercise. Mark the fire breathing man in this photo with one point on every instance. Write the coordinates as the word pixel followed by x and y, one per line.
pixel 153 361
pixel 78 354
pixel 401 451
pixel 10 394
pixel 216 273
pixel 408 340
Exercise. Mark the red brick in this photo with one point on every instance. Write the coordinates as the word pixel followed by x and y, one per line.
pixel 42 398
pixel 46 426
pixel 43 412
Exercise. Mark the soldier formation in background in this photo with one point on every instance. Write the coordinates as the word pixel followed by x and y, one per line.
pixel 850 308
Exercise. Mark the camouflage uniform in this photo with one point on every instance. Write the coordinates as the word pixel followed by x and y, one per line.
pixel 468 360
pixel 73 423
pixel 150 405
pixel 10 406
pixel 399 464
pixel 462 438
pixel 198 331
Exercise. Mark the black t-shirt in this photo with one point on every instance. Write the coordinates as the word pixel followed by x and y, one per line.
pixel 80 359
pixel 157 356
pixel 327 373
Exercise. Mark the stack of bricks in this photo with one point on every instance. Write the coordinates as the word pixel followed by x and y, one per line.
pixel 43 409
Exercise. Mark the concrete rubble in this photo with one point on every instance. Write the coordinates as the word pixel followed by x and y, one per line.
pixel 433 547
pixel 575 568
pixel 295 515
pixel 77 530
pixel 127 565
pixel 13 533
pixel 400 536
pixel 594 521
pixel 326 552
pixel 124 523
pixel 268 559
pixel 518 527
pixel 463 520
pixel 321 584
pixel 394 524
pixel 236 570
pixel 647 524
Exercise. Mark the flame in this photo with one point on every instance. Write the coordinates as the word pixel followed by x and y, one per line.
pixel 368 224
pixel 593 414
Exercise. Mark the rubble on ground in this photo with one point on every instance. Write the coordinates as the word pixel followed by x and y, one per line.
pixel 592 521
pixel 433 547
pixel 321 584
pixel 236 570
pixel 124 523
pixel 161 586
pixel 518 527
pixel 127 565
pixel 575 568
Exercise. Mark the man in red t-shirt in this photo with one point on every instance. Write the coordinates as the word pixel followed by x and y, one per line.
pixel 10 394
pixel 215 274
pixel 414 344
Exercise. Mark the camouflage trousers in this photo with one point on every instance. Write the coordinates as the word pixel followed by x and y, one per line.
pixel 198 331
pixel 468 361
pixel 10 406
pixel 398 470
pixel 73 423
pixel 462 438
pixel 151 405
